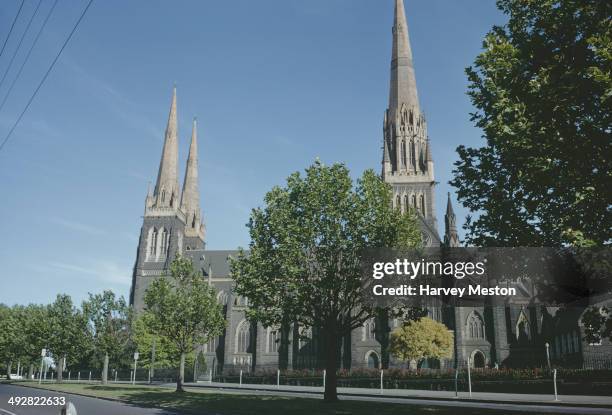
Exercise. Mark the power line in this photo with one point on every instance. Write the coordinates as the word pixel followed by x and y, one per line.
pixel 25 32
pixel 46 75
pixel 12 26
pixel 28 55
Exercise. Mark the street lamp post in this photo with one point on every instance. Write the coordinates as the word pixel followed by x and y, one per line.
pixel 43 353
pixel 135 362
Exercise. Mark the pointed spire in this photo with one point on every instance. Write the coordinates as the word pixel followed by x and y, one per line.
pixel 190 203
pixel 449 206
pixel 403 88
pixel 451 238
pixel 167 190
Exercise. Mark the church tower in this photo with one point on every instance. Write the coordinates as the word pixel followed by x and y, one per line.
pixel 407 162
pixel 172 222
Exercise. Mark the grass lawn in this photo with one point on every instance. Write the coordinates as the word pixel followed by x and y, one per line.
pixel 234 403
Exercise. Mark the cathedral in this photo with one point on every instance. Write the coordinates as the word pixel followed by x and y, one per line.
pixel 511 334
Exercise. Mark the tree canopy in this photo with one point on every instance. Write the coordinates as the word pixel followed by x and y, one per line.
pixel 420 339
pixel 183 309
pixel 304 258
pixel 542 89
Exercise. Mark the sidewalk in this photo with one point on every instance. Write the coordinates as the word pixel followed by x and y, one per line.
pixel 489 397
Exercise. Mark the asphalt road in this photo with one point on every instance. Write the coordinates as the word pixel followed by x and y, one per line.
pixel 83 405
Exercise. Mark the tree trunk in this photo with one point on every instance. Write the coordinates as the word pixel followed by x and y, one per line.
pixel 331 363
pixel 105 370
pixel 181 375
pixel 60 369
pixel 31 372
pixel 9 367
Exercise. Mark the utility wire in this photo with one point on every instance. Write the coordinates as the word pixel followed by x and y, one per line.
pixel 25 32
pixel 12 26
pixel 46 75
pixel 28 55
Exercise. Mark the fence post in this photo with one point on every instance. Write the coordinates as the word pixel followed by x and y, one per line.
pixel 240 377
pixel 555 382
pixel 469 378
pixel 209 375
pixel 115 376
pixel 278 378
pixel 132 376
pixel 79 377
pixel 150 377
pixel 68 376
pixel 90 376
pixel 324 376
pixel 381 381
pixel 457 382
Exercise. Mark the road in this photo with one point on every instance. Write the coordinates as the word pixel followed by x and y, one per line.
pixel 83 405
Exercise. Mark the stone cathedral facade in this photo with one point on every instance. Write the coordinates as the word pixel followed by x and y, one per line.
pixel 511 334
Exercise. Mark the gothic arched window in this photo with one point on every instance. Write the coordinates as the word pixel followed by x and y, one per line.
pixel 369 330
pixel 273 340
pixel 414 202
pixel 243 337
pixel 422 204
pixel 152 243
pixel 163 243
pixel 475 326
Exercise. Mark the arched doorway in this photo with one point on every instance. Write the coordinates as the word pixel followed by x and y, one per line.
pixel 372 360
pixel 478 360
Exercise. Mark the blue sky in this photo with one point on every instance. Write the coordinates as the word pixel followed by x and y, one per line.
pixel 274 84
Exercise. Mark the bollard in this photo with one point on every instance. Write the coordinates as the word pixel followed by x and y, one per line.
pixel 456 382
pixel 240 377
pixel 132 376
pixel 68 376
pixel 555 382
pixel 149 376
pixel 210 376
pixel 79 377
pixel 90 376
pixel 324 376
pixel 381 381
pixel 278 378
pixel 52 374
pixel 469 378
pixel 115 376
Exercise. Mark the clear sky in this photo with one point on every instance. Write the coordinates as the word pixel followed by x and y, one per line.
pixel 274 84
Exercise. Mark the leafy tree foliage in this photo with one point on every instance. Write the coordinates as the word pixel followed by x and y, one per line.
pixel 183 309
pixel 109 322
pixel 542 89
pixel 11 337
pixel 68 335
pixel 422 339
pixel 155 351
pixel 304 259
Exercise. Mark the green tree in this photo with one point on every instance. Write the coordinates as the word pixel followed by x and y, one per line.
pixel 304 259
pixel 69 335
pixel 183 309
pixel 11 337
pixel 155 351
pixel 33 324
pixel 109 322
pixel 542 89
pixel 422 339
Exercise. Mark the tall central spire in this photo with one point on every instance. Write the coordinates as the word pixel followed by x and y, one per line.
pixel 167 190
pixel 403 88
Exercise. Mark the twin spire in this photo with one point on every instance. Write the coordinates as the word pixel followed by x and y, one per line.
pixel 167 193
